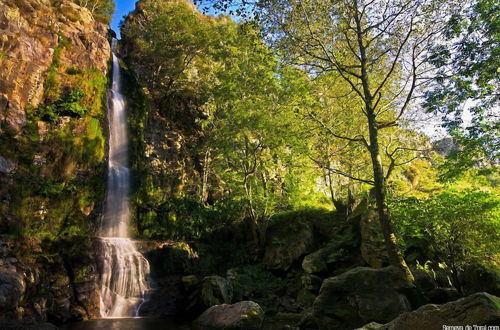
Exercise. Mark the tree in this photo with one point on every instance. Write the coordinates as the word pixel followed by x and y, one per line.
pixel 378 48
pixel 101 9
pixel 324 104
pixel 249 133
pixel 468 81
pixel 170 42
pixel 225 73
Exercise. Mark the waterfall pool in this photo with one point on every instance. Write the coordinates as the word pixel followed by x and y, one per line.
pixel 130 324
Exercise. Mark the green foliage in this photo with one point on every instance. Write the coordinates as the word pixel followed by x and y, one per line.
pixel 69 105
pixel 455 228
pixel 263 150
pixel 226 71
pixel 170 44
pixel 255 282
pixel 59 183
pixel 177 219
pixel 466 82
pixel 51 84
pixel 274 139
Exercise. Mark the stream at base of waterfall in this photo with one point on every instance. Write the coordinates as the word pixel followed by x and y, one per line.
pixel 124 270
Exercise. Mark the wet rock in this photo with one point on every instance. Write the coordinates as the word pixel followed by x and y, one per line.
pixel 166 299
pixel 243 315
pixel 169 258
pixel 361 295
pixel 478 309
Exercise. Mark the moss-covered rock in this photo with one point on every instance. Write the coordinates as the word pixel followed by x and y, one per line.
pixel 53 82
pixel 289 237
pixel 360 296
pixel 311 282
pixel 305 298
pixel 314 262
pixel 373 250
pixel 215 290
pixel 478 309
pixel 340 253
pixel 243 315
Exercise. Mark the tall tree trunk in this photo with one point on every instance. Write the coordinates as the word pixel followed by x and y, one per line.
pixel 395 256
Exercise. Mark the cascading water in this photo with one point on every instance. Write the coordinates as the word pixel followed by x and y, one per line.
pixel 124 270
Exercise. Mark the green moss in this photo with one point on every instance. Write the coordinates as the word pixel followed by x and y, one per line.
pixel 52 199
pixel 51 85
pixel 81 275
pixel 3 55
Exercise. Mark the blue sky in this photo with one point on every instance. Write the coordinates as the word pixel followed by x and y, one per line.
pixel 123 7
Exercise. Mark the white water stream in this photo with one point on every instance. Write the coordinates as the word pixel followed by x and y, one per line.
pixel 124 270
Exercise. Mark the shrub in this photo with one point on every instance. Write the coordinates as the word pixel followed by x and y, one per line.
pixel 452 228
pixel 69 105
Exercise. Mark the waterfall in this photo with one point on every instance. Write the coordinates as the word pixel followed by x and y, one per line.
pixel 124 270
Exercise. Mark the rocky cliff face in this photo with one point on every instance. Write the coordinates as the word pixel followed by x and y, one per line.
pixel 31 35
pixel 53 81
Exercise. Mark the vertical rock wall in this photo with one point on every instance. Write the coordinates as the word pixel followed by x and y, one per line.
pixel 53 79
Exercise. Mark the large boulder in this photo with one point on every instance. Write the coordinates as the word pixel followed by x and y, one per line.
pixel 362 295
pixel 216 290
pixel 287 242
pixel 339 252
pixel 314 262
pixel 477 278
pixel 243 315
pixel 292 235
pixel 480 309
